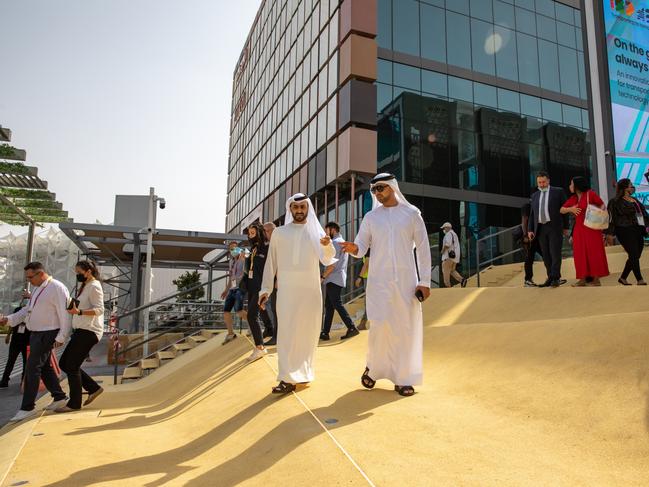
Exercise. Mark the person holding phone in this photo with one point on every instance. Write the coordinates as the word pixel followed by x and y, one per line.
pixel 87 310
pixel 396 284
pixel 18 340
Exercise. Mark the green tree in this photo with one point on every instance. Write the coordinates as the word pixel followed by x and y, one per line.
pixel 187 281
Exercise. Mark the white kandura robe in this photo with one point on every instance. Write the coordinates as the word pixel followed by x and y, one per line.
pixel 395 343
pixel 293 259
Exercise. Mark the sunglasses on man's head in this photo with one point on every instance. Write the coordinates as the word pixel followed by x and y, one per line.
pixel 379 189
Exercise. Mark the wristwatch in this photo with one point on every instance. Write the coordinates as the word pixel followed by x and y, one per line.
pixel 80 313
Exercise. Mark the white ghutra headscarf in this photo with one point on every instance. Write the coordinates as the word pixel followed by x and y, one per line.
pixel 390 180
pixel 312 226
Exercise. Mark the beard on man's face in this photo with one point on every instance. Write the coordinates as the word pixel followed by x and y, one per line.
pixel 299 216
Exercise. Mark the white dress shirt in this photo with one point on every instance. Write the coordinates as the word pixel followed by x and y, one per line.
pixel 451 242
pixel 46 310
pixel 544 197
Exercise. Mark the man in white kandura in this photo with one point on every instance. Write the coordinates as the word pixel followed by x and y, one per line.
pixel 293 256
pixel 393 229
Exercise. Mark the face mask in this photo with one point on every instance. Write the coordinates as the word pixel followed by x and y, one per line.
pixel 235 251
pixel 81 278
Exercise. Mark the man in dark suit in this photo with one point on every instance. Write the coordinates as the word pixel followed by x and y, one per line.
pixel 548 225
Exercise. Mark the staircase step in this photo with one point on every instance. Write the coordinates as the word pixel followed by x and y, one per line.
pixel 150 363
pixel 182 346
pixel 210 333
pixel 196 339
pixel 166 355
pixel 132 373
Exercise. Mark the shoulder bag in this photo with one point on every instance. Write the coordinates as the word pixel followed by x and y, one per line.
pixel 595 218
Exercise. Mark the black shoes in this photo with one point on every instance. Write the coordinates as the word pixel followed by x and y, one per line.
pixel 553 283
pixel 325 337
pixel 351 332
pixel 268 332
pixel 463 283
pixel 271 343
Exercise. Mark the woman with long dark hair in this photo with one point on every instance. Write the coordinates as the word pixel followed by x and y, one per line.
pixel 87 310
pixel 587 244
pixel 629 220
pixel 253 275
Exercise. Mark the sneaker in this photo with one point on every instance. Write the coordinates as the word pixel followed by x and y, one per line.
pixel 57 404
pixel 325 336
pixel 256 354
pixel 21 414
pixel 93 396
pixel 530 284
pixel 229 338
pixel 352 332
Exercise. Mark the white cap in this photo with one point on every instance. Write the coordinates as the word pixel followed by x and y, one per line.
pixel 446 225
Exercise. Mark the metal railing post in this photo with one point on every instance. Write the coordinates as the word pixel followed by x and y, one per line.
pixel 477 259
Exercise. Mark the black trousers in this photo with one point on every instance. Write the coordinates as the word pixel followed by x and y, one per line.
pixel 530 250
pixel 333 302
pixel 632 240
pixel 253 313
pixel 17 346
pixel 550 241
pixel 272 313
pixel 75 353
pixel 39 367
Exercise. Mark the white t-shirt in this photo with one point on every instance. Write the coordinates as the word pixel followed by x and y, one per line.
pixel 451 242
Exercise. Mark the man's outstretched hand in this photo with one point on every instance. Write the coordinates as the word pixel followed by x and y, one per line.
pixel 349 247
pixel 324 241
pixel 263 299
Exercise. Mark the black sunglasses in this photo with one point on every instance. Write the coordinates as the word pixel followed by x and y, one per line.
pixel 379 188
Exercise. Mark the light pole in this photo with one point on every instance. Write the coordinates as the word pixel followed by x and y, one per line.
pixel 150 230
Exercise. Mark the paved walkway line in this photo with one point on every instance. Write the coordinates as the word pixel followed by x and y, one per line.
pixel 326 430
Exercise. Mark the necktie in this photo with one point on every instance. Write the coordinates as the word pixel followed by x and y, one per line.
pixel 542 218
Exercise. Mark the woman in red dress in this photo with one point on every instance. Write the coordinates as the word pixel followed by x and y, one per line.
pixel 587 244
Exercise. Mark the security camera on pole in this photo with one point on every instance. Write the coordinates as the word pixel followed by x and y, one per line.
pixel 150 230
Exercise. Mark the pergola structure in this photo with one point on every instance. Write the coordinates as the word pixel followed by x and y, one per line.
pixel 124 249
pixel 24 197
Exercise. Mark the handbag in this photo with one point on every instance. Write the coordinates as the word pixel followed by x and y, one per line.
pixel 595 218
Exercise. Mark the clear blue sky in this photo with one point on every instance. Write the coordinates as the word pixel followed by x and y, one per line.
pixel 113 96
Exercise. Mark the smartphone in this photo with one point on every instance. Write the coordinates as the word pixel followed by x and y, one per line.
pixel 419 295
pixel 74 303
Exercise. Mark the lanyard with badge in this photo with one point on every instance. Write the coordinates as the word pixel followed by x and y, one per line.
pixel 30 306
pixel 638 214
pixel 252 262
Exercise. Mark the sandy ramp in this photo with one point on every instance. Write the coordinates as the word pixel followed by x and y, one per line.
pixel 523 387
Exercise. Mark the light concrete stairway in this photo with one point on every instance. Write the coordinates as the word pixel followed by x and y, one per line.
pixel 147 365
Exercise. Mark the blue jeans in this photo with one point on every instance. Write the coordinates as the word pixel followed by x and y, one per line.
pixel 233 301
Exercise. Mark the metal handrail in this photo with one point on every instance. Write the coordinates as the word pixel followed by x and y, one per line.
pixel 118 352
pixel 493 259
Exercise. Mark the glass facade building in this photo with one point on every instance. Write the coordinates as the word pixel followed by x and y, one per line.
pixel 464 100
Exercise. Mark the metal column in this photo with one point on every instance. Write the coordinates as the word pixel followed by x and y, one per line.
pixel 136 275
pixel 209 286
pixel 30 242
pixel 353 204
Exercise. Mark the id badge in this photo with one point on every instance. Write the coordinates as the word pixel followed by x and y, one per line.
pixel 249 274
